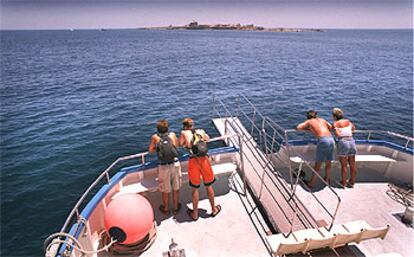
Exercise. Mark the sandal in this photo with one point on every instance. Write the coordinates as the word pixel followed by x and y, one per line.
pixel 178 209
pixel 214 214
pixel 190 213
pixel 162 210
pixel 307 183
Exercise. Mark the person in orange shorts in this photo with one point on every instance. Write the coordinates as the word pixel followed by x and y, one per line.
pixel 194 140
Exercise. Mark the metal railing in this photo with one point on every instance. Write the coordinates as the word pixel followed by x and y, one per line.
pixel 266 166
pixel 404 141
pixel 381 133
pixel 270 137
pixel 105 176
pixel 284 139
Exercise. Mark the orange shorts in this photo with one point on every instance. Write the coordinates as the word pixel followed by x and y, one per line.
pixel 200 167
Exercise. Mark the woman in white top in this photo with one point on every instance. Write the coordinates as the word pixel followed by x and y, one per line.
pixel 346 148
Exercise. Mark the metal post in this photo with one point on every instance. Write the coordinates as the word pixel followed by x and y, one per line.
pixel 253 120
pixel 273 142
pixel 262 181
pixel 263 131
pixel 265 142
pixel 242 164
pixel 108 179
pixel 214 104
pixel 290 164
pixel 226 131
pixel 238 107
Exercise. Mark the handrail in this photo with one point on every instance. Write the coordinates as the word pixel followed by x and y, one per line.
pixel 262 133
pixel 391 133
pixel 267 123
pixel 228 113
pixel 105 174
pixel 370 132
pixel 264 172
pixel 287 143
pixel 289 150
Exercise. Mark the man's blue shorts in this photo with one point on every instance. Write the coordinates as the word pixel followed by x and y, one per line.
pixel 325 149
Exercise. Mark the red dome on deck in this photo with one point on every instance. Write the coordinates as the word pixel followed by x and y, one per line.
pixel 129 218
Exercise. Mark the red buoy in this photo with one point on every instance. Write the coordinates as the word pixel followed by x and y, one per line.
pixel 128 218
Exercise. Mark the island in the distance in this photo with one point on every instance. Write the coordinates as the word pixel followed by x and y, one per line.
pixel 251 27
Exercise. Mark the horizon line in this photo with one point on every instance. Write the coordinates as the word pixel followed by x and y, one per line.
pixel 157 28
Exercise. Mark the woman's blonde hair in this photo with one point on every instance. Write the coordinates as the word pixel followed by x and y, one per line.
pixel 188 123
pixel 337 113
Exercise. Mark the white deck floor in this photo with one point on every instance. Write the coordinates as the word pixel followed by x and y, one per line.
pixel 369 202
pixel 230 233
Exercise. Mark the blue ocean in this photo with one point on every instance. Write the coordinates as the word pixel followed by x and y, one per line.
pixel 74 101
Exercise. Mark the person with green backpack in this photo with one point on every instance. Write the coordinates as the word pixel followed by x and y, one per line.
pixel 165 144
pixel 195 142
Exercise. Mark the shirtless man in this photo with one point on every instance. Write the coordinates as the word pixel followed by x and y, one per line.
pixel 198 166
pixel 320 128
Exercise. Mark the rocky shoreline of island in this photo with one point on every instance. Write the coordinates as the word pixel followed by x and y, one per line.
pixel 194 25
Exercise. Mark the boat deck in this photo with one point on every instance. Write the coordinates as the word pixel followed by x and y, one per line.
pixel 231 233
pixel 367 201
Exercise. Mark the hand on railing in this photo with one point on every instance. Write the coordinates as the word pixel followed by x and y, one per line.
pixel 221 138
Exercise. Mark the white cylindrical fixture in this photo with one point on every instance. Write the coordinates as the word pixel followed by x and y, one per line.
pixel 408 215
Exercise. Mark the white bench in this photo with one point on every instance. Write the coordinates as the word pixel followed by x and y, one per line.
pixel 280 245
pixel 311 239
pixel 150 183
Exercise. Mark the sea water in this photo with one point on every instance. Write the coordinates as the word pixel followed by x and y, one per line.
pixel 72 102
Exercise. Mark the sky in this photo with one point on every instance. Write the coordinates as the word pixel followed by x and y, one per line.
pixel 87 14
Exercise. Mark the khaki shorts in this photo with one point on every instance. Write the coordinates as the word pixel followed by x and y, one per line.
pixel 169 175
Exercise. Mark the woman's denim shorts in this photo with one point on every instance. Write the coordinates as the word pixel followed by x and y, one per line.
pixel 346 147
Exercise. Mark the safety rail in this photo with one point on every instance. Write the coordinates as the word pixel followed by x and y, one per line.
pixel 228 123
pixel 274 179
pixel 372 133
pixel 277 129
pixel 104 174
pixel 386 133
pixel 261 126
pixel 257 117
pixel 142 157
